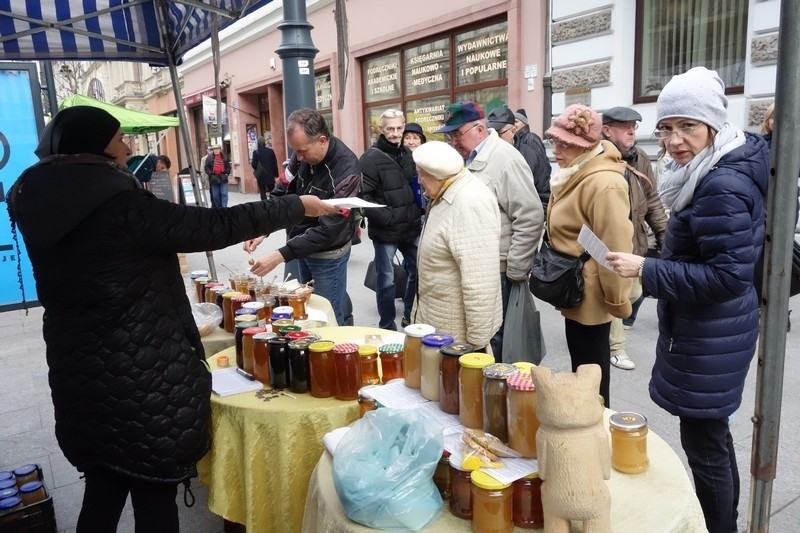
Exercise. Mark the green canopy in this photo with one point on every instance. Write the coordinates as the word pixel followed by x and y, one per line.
pixel 135 122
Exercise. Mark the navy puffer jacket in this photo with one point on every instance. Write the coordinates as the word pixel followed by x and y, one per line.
pixel 129 383
pixel 708 311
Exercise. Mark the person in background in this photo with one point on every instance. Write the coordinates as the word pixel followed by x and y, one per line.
pixel 459 290
pixel 265 167
pixel 388 170
pixel 708 311
pixel 589 189
pixel 323 166
pixel 127 372
pixel 413 136
pixel 542 168
pixel 647 211
pixel 502 120
pixel 218 169
pixel 163 163
pixel 204 178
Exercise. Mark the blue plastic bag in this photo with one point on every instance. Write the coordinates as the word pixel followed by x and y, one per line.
pixel 383 470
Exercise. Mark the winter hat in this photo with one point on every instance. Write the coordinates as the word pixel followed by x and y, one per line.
pixel 438 159
pixel 413 127
pixel 521 117
pixel 698 94
pixel 578 125
pixel 78 130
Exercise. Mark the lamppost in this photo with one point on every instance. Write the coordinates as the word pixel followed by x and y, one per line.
pixel 297 53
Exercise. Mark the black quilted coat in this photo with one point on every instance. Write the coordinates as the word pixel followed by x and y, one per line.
pixel 388 170
pixel 126 366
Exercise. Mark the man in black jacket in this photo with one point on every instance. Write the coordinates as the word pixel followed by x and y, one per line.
pixel 388 169
pixel 541 166
pixel 265 167
pixel 323 166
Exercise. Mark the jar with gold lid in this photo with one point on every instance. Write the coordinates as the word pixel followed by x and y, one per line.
pixel 495 387
pixel 278 323
pixel 448 375
pixel 368 363
pixel 629 442
pixel 392 360
pixel 522 420
pixel 412 353
pixel 470 388
pixel 323 377
pixel 492 503
pixel 431 364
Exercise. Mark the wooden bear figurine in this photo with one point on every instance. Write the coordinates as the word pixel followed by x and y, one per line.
pixel 573 450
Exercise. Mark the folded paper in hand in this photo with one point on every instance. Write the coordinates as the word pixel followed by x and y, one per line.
pixel 354 202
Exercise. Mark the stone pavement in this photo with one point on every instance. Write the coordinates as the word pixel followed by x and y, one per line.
pixel 26 412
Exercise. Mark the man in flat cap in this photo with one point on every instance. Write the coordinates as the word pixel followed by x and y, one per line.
pixel 647 211
pixel 503 169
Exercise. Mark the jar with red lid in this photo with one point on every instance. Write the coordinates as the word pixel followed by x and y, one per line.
pixel 527 502
pixel 432 364
pixel 391 356
pixel 368 364
pixel 412 350
pixel 347 371
pixel 297 335
pixel 522 420
pixel 448 375
pixel 210 296
pixel 495 413
pixel 279 362
pixel 322 373
pixel 261 356
pixel 247 347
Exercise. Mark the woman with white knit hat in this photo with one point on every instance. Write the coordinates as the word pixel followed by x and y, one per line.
pixel 459 249
pixel 708 310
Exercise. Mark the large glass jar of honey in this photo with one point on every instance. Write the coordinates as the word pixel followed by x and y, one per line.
pixel 368 361
pixel 247 347
pixel 392 360
pixel 470 388
pixel 629 442
pixel 238 339
pixel 527 507
pixel 346 368
pixel 522 421
pixel 431 364
pixel 448 375
pixel 492 503
pixel 460 491
pixel 323 377
pixel 299 364
pixel 495 413
pixel 298 304
pixel 412 350
pixel 261 356
pixel 227 309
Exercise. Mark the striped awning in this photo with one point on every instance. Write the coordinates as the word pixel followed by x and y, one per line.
pixel 121 30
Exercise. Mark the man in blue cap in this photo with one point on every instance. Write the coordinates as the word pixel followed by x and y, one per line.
pixel 503 169
pixel 647 211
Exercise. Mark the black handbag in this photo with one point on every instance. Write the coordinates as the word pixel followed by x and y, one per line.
pixel 400 277
pixel 557 278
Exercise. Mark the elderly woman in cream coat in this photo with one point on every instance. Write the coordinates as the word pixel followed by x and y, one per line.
pixel 459 249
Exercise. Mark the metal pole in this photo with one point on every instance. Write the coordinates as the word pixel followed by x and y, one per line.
pixel 782 211
pixel 297 53
pixel 187 144
pixel 50 87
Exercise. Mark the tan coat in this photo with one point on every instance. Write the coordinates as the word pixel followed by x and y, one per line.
pixel 458 264
pixel 596 195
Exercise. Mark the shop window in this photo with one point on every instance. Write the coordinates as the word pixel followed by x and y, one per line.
pixel 482 55
pixel 488 98
pixel 324 97
pixel 382 78
pixel 428 113
pixel 427 67
pixel 673 36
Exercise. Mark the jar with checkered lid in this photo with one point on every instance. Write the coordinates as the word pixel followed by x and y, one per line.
pixel 392 360
pixel 522 421
pixel 347 371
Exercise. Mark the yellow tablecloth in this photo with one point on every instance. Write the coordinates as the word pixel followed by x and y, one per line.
pixel 219 339
pixel 262 453
pixel 661 499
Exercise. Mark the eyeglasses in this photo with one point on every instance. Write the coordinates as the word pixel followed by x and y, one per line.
pixel 554 143
pixel 456 135
pixel 625 125
pixel 510 129
pixel 681 132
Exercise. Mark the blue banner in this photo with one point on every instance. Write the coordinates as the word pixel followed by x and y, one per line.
pixel 20 120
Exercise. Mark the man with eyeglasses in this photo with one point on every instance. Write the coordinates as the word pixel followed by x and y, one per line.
pixel 647 211
pixel 387 169
pixel 503 169
pixel 503 121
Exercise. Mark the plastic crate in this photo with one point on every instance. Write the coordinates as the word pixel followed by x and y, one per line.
pixel 37 518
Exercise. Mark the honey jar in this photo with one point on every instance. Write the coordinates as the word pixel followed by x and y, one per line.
pixel 200 287
pixel 470 388
pixel 5 474
pixel 8 505
pixel 32 492
pixel 368 361
pixel 299 364
pixel 278 323
pixel 258 309
pixel 448 375
pixel 227 309
pixel 491 504
pixel 391 356
pixel 323 377
pixel 8 483
pixel 365 400
pixel 25 474
pixel 346 369
pixel 210 296
pixel 412 350
pixel 527 502
pixel 629 442
pixel 278 362
pixel 522 421
pixel 431 364
pixel 261 356
pixel 460 492
pixel 8 492
pixel 247 347
pixel 495 413
pixel 298 304
pixel 441 476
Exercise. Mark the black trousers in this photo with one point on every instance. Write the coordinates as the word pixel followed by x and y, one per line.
pixel 589 345
pixel 154 507
pixel 708 445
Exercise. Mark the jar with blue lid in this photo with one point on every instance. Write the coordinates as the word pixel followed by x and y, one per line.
pixel 5 474
pixel 7 483
pixel 431 364
pixel 9 492
pixel 10 504
pixel 32 492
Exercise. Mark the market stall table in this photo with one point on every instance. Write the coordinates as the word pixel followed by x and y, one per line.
pixel 219 339
pixel 263 452
pixel 659 500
